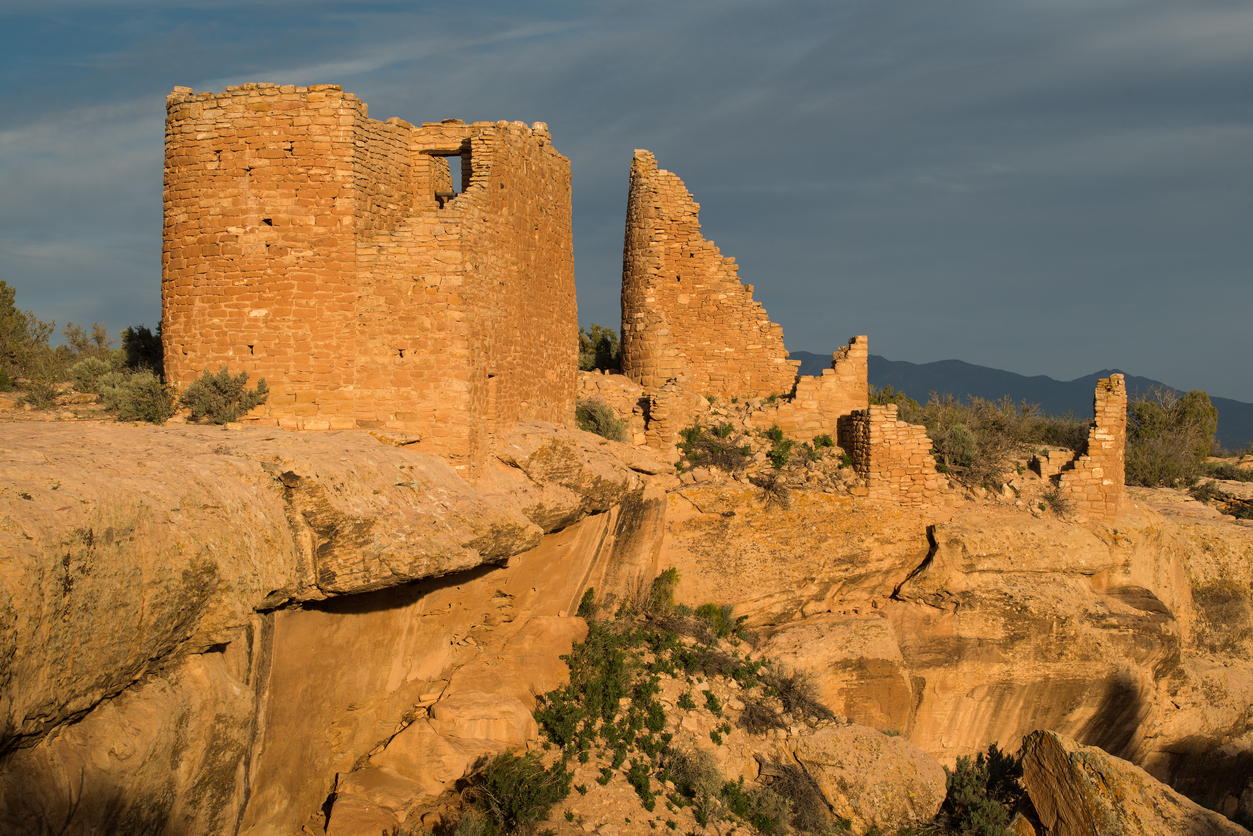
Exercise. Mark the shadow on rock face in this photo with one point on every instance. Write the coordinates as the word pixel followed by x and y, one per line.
pixel 398 597
pixel 1121 711
pixel 1208 772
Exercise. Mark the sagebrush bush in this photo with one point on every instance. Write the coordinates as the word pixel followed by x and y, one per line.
pixel 1229 472
pixel 143 397
pixel 1056 501
pixel 775 492
pixel 516 791
pixel 595 416
pixel 810 813
pixel 1168 437
pixel 798 693
pixel 86 372
pixel 220 397
pixel 719 447
pixel 976 442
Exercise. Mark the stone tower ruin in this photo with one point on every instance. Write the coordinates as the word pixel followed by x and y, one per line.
pixel 333 255
pixel 684 311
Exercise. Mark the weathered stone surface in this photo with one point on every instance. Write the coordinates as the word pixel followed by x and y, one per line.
pixel 1080 790
pixel 357 816
pixel 175 551
pixel 871 778
pixel 571 474
pixel 1015 623
pixel 375 298
pixel 856 665
pixel 111 773
pixel 825 553
pixel 477 715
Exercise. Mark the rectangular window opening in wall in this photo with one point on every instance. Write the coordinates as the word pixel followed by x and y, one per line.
pixel 450 174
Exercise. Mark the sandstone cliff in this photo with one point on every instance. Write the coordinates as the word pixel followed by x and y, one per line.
pixel 212 631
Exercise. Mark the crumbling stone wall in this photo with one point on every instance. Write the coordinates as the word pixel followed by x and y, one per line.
pixel 685 313
pixel 323 250
pixel 893 457
pixel 1094 481
pixel 819 401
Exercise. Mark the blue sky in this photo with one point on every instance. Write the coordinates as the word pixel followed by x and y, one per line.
pixel 1047 187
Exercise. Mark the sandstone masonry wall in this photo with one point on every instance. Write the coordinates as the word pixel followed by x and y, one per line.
pixel 320 249
pixel 1094 482
pixel 684 311
pixel 892 456
pixel 819 401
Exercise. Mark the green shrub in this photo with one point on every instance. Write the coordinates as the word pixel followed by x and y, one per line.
pixel 720 620
pixel 761 807
pixel 6 381
pixel 907 407
pixel 220 397
pixel 144 397
pixel 22 335
pixel 40 394
pixel 141 349
pixel 637 777
pixel 975 442
pixel 516 791
pixel 697 777
pixel 1168 437
pixel 596 416
pixel 1206 491
pixel 1067 431
pixel 661 595
pixel 587 604
pixel 780 447
pixel 599 348
pixel 1228 472
pixel 86 372
pixel 720 448
pixel 981 793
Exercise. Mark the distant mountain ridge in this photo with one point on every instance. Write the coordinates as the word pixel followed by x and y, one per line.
pixel 1055 397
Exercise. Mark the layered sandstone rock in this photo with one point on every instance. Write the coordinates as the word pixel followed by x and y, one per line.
pixel 1079 790
pixel 262 609
pixel 878 782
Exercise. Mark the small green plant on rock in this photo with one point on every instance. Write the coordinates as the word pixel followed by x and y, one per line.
pixel 220 397
pixel 1056 501
pixel 595 416
pixel 718 447
pixel 515 791
pixel 780 447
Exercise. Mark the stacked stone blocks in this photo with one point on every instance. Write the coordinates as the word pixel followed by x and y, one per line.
pixel 320 249
pixel 819 401
pixel 685 313
pixel 1094 482
pixel 893 457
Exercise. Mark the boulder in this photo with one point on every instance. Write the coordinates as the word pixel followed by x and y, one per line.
pixel 875 780
pixel 476 715
pixel 1080 790
pixel 856 665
